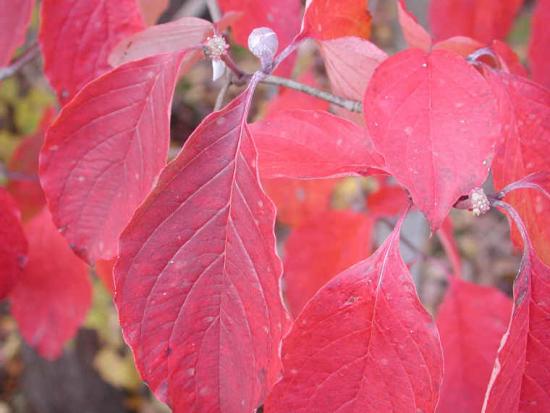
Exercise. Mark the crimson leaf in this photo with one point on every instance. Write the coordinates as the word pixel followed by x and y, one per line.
pixel 197 281
pixel 363 343
pixel 103 153
pixel 434 119
pixel 77 37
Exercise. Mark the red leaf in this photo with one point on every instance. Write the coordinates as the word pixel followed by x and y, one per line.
pixel 53 295
pixel 520 378
pixel 321 248
pixel 313 144
pixel 298 200
pixel 484 20
pixel 350 63
pixel 103 153
pixel 13 244
pixel 151 10
pixel 182 34
pixel 290 99
pixel 197 281
pixel 14 20
pixel 434 120
pixel 330 19
pixel 77 37
pixel 471 322
pixel 414 33
pixel 538 45
pixel 363 343
pixel 527 136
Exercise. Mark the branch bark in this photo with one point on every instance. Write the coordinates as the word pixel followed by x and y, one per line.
pixel 26 57
pixel 351 105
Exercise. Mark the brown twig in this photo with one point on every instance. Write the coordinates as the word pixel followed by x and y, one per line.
pixel 351 105
pixel 214 10
pixel 28 55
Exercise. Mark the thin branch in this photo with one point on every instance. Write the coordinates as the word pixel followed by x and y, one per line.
pixel 351 105
pixel 193 8
pixel 28 55
pixel 214 10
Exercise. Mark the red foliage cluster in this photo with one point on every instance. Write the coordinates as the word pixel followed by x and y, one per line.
pixel 198 283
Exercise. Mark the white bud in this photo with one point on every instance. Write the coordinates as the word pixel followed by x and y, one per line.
pixel 480 202
pixel 263 44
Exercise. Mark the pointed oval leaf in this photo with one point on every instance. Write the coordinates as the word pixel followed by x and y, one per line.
pixel 319 249
pixel 520 378
pixel 363 343
pixel 77 37
pixel 181 34
pixel 484 20
pixel 197 281
pixel 13 244
pixel 330 19
pixel 54 294
pixel 14 20
pixel 434 119
pixel 471 322
pixel 313 144
pixel 103 153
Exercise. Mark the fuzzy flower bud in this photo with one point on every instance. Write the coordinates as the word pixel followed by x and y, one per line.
pixel 480 202
pixel 263 43
pixel 215 47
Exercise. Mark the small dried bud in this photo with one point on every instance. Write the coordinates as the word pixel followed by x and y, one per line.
pixel 215 47
pixel 480 202
pixel 263 43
